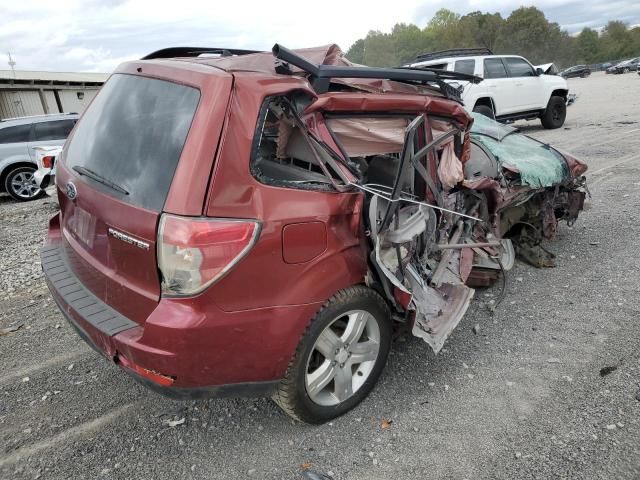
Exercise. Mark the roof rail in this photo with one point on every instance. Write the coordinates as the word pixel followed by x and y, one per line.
pixel 43 115
pixel 454 52
pixel 321 75
pixel 173 52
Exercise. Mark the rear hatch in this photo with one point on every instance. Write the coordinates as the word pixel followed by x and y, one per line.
pixel 115 176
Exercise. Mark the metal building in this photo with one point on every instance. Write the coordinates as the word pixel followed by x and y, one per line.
pixel 25 93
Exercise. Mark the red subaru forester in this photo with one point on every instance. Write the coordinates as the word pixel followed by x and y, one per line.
pixel 249 223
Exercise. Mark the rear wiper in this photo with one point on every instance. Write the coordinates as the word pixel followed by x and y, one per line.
pixel 98 178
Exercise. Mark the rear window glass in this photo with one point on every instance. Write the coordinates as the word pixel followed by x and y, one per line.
pixel 494 68
pixel 58 130
pixel 465 66
pixel 132 136
pixel 19 133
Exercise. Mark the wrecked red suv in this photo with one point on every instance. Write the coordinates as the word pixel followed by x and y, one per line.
pixel 253 223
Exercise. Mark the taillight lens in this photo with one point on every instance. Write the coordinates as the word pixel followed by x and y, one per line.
pixel 195 252
pixel 47 161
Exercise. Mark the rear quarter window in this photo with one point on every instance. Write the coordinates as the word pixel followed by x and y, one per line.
pixel 56 130
pixel 17 134
pixel 132 135
pixel 465 66
pixel 435 66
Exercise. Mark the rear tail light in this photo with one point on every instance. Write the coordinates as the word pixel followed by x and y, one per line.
pixel 193 253
pixel 47 161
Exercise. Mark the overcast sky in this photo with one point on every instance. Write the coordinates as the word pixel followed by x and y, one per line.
pixel 96 35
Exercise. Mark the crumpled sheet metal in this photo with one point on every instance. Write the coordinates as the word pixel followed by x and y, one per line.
pixel 264 62
pixel 437 310
pixel 336 102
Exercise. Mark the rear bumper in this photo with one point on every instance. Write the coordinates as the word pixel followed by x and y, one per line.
pixel 182 351
pixel 252 389
pixel 45 178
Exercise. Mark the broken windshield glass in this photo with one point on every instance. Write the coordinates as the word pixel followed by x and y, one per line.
pixel 537 164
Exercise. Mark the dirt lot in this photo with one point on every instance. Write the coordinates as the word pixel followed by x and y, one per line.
pixel 523 398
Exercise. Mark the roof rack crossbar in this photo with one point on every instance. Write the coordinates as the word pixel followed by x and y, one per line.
pixel 454 52
pixel 196 51
pixel 321 75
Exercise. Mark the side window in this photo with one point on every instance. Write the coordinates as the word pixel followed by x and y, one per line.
pixel 519 67
pixel 17 134
pixel 465 66
pixel 58 130
pixel 286 155
pixel 436 66
pixel 494 68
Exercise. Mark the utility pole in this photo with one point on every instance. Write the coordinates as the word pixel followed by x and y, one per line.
pixel 12 64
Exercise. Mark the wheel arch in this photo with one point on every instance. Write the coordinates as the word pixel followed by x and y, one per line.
pixel 559 92
pixel 10 166
pixel 487 102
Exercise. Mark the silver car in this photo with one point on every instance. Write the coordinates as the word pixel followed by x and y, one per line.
pixel 19 142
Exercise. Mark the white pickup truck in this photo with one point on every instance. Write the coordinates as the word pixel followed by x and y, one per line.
pixel 512 88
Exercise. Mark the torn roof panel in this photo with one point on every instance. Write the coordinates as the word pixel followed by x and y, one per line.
pixel 350 102
pixel 265 62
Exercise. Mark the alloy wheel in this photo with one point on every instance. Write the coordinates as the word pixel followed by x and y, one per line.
pixel 24 186
pixel 342 358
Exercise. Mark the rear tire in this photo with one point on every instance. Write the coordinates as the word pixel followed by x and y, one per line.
pixel 19 183
pixel 356 324
pixel 485 110
pixel 555 113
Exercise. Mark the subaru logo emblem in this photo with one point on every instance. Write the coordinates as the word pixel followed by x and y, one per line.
pixel 71 191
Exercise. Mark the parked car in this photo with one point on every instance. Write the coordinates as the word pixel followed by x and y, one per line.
pixel 605 66
pixel 260 223
pixel 512 88
pixel 626 66
pixel 45 175
pixel 581 71
pixel 19 139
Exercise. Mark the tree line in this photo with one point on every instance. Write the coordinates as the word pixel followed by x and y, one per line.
pixel 526 32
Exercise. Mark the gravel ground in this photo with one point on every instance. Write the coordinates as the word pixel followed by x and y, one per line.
pixel 524 397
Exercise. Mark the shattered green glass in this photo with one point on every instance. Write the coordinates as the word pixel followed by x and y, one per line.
pixel 538 164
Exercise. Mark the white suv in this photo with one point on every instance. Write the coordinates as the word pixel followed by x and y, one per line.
pixel 20 139
pixel 512 88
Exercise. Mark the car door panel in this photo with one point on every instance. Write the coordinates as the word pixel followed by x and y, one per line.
pixel 497 84
pixel 526 90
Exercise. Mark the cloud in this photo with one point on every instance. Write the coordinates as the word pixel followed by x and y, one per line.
pixel 94 35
